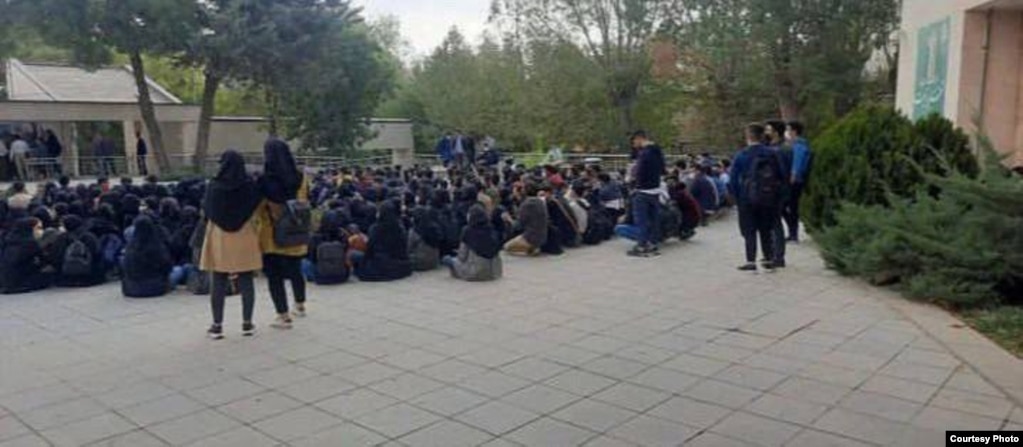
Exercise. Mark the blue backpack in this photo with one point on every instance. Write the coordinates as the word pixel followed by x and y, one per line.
pixel 111 245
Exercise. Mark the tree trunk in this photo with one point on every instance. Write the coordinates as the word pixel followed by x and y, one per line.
pixel 202 141
pixel 788 98
pixel 272 105
pixel 149 111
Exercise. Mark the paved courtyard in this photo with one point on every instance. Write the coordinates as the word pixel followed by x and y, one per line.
pixel 591 348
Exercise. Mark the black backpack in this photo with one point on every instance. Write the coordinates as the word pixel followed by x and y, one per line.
pixel 77 259
pixel 292 228
pixel 764 183
pixel 330 263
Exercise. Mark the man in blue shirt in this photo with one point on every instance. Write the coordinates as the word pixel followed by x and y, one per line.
pixel 801 159
pixel 757 179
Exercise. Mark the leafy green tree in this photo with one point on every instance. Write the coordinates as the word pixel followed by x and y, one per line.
pixel 613 35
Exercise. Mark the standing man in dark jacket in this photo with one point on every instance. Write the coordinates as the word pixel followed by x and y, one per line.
pixel 646 200
pixel 757 178
pixel 141 151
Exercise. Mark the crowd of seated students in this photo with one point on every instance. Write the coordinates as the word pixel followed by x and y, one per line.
pixel 372 224
pixel 86 235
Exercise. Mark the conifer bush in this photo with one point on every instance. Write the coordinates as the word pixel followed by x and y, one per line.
pixel 873 154
pixel 962 247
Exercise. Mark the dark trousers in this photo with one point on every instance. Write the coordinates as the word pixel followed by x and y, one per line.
pixel 143 169
pixel 778 234
pixel 757 221
pixel 278 269
pixel 791 210
pixel 218 294
pixel 646 214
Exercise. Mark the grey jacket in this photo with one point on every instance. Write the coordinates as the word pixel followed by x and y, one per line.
pixel 473 267
pixel 423 256
pixel 533 219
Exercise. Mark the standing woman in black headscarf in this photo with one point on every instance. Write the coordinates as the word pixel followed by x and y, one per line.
pixel 281 182
pixel 231 245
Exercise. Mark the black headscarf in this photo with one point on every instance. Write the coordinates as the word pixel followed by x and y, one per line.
pixel 387 237
pixel 427 226
pixel 331 225
pixel 231 197
pixel 479 234
pixel 281 178
pixel 147 254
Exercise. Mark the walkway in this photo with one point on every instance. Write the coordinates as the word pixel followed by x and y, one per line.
pixel 589 349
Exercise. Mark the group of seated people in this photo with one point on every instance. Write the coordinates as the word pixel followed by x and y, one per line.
pixel 83 236
pixel 371 224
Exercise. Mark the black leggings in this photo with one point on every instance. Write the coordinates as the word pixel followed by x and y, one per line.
pixel 279 268
pixel 218 293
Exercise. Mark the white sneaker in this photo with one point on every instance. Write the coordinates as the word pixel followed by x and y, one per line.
pixel 282 322
pixel 299 310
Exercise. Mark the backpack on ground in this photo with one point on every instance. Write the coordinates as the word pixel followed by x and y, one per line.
pixel 77 259
pixel 764 183
pixel 599 227
pixel 292 228
pixel 330 263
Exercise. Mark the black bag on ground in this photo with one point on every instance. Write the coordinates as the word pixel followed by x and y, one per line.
pixel 330 263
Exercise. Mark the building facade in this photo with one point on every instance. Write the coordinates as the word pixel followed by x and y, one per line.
pixel 964 60
pixel 61 98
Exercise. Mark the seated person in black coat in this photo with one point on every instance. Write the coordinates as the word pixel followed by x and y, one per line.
pixel 22 268
pixel 81 262
pixel 147 262
pixel 386 257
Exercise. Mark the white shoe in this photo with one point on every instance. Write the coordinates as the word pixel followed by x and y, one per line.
pixel 282 322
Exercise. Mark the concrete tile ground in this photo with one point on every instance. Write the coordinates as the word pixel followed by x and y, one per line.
pixel 591 348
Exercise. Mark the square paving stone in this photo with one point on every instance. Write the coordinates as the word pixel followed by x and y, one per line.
pixel 549 432
pixel 347 435
pixel 449 401
pixel 756 430
pixel 580 383
pixel 260 406
pixel 632 397
pixel 356 402
pixel 787 409
pixel 497 417
pixel 446 433
pixel 533 368
pixel 594 415
pixel 690 412
pixel 653 432
pixel 397 420
pixel 540 399
pixel 193 427
pixel 163 409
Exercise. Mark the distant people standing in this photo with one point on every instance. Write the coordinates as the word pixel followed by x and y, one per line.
pixel 53 150
pixel 802 158
pixel 756 183
pixel 470 150
pixel 5 155
pixel 141 151
pixel 458 149
pixel 231 245
pixel 19 156
pixel 103 149
pixel 646 201
pixel 445 149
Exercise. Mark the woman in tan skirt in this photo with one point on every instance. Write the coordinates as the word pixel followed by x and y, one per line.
pixel 232 241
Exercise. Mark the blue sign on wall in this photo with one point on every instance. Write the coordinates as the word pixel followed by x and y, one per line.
pixel 931 69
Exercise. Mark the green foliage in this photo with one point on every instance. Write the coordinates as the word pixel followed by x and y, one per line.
pixel 875 153
pixel 961 247
pixel 1003 324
